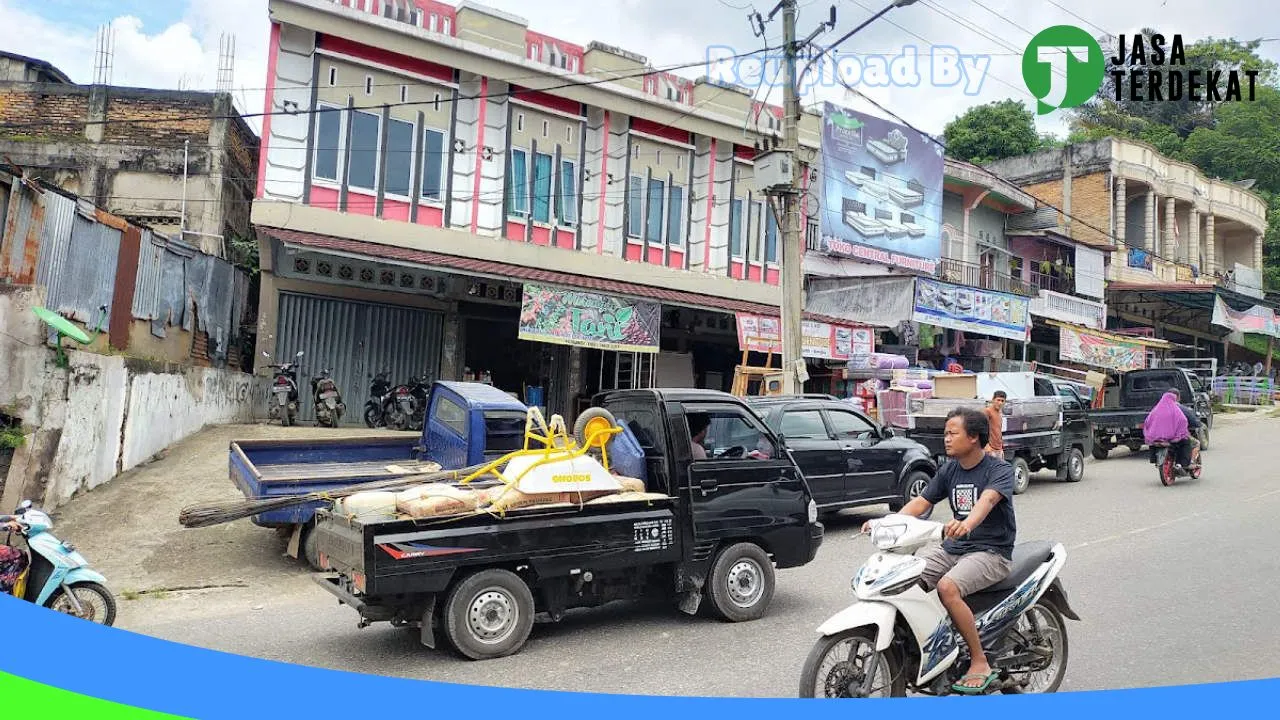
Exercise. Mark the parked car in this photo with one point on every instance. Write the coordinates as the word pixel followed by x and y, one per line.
pixel 848 459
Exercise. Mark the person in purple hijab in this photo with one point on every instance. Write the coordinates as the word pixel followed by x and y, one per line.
pixel 1170 422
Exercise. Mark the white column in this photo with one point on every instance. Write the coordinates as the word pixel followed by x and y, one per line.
pixel 1122 207
pixel 1210 247
pixel 1193 239
pixel 1170 250
pixel 1149 242
pixel 1257 252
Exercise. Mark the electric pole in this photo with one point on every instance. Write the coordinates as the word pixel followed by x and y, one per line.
pixel 792 236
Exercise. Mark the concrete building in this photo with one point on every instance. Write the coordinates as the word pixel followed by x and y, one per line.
pixel 427 167
pixel 132 151
pixel 1175 238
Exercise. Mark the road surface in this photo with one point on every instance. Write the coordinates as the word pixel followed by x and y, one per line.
pixel 1174 585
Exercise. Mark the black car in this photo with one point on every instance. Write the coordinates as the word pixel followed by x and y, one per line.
pixel 847 459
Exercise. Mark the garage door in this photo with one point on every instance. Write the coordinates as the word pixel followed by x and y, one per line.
pixel 355 340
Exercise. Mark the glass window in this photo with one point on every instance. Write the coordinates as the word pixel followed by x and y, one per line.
pixel 453 416
pixel 735 228
pixel 518 183
pixel 771 238
pixel 847 425
pixel 542 169
pixel 328 141
pixel 728 434
pixel 399 164
pixel 653 223
pixel 805 424
pixel 635 205
pixel 567 200
pixel 434 163
pixel 753 231
pixel 675 216
pixel 365 128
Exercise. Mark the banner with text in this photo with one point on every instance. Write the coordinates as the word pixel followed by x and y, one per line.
pixel 1100 351
pixel 968 309
pixel 588 319
pixel 822 341
pixel 1257 319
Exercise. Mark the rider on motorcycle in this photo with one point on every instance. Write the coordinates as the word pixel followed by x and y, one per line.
pixel 12 560
pixel 1172 422
pixel 978 551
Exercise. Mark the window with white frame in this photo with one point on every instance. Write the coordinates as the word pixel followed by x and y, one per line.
pixel 435 161
pixel 675 216
pixel 567 197
pixel 653 210
pixel 326 165
pixel 542 184
pixel 756 211
pixel 735 228
pixel 635 206
pixel 532 191
pixel 518 183
pixel 446 26
pixel 398 167
pixel 433 23
pixel 366 129
pixel 770 237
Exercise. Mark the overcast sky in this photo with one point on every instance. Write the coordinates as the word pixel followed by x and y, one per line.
pixel 174 43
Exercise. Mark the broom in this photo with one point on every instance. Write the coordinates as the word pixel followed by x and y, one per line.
pixel 216 513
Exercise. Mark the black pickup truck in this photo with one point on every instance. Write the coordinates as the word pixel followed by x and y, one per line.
pixel 848 459
pixel 726 522
pixel 1139 391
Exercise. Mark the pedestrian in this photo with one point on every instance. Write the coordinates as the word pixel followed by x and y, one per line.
pixel 995 423
pixel 12 560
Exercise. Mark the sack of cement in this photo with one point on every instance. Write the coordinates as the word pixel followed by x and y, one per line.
pixel 466 499
pixel 630 484
pixel 434 506
pixel 367 504
pixel 502 499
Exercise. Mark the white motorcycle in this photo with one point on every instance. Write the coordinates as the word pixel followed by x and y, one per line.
pixel 898 636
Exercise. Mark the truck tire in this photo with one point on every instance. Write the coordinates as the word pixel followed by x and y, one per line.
pixel 309 552
pixel 1203 437
pixel 914 484
pixel 580 425
pixel 742 583
pixel 489 614
pixel 1101 451
pixel 1135 446
pixel 1072 464
pixel 1021 475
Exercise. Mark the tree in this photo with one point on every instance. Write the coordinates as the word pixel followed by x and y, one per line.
pixel 986 133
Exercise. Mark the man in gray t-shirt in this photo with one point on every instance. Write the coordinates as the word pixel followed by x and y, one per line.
pixel 978 549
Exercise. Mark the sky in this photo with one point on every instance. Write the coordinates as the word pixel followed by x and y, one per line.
pixel 174 43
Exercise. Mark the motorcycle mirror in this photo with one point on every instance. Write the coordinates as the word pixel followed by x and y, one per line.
pixel 23 506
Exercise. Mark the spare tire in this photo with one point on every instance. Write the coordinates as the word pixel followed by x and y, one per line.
pixel 581 425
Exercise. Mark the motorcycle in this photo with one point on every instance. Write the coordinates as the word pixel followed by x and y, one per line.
pixel 1169 468
pixel 58 577
pixel 284 391
pixel 409 405
pixel 897 635
pixel 327 400
pixel 379 400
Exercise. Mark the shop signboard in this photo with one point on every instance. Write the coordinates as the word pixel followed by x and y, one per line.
pixel 969 309
pixel 821 341
pixel 1098 350
pixel 589 319
pixel 881 191
pixel 1257 319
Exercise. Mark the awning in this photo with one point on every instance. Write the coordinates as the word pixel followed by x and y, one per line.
pixel 507 271
pixel 1190 295
pixel 878 301
pixel 1154 343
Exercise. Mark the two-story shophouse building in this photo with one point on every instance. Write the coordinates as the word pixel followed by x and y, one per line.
pixel 438 182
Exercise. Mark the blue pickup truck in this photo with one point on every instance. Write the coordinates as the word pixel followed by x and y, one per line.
pixel 467 424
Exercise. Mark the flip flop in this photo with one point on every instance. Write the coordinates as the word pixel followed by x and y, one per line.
pixel 968 690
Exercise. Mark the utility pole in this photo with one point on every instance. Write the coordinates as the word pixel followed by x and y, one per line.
pixel 792 236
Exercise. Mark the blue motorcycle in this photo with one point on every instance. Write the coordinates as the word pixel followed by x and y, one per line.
pixel 58 577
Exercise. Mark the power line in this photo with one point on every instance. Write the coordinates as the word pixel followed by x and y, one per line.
pixel 482 96
pixel 1083 20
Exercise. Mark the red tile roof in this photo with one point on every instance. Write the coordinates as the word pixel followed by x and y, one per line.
pixel 519 272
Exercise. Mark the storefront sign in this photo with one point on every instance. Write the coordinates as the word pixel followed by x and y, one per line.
pixel 821 341
pixel 587 319
pixel 971 310
pixel 1100 350
pixel 1257 319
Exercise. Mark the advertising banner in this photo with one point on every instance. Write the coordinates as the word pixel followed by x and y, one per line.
pixel 821 341
pixel 588 319
pixel 1257 319
pixel 959 307
pixel 882 191
pixel 1100 350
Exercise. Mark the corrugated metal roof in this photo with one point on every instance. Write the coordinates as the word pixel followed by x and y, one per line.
pixel 493 268
pixel 150 254
pixel 55 241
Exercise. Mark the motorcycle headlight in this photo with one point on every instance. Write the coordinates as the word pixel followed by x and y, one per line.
pixel 885 537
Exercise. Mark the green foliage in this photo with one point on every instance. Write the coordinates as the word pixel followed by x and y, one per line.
pixel 993 131
pixel 11 438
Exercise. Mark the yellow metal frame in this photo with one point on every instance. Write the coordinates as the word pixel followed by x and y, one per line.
pixel 557 446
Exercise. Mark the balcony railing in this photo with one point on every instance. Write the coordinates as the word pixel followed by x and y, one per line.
pixel 963 273
pixel 1053 283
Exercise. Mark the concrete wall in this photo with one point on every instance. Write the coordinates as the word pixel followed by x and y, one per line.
pixel 102 415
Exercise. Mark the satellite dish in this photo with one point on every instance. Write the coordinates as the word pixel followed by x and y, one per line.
pixel 65 328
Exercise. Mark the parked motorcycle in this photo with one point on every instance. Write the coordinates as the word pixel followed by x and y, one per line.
pixel 284 391
pixel 1169 468
pixel 327 400
pixel 409 405
pixel 897 636
pixel 376 406
pixel 58 577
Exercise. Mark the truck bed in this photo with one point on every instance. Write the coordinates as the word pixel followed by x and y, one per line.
pixel 274 468
pixel 404 556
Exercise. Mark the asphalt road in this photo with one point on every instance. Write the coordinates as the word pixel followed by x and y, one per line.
pixel 1173 585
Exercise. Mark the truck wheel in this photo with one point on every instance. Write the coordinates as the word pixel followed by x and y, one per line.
pixel 1204 438
pixel 1101 451
pixel 1072 465
pixel 1135 447
pixel 584 423
pixel 742 583
pixel 1021 476
pixel 310 550
pixel 916 482
pixel 489 614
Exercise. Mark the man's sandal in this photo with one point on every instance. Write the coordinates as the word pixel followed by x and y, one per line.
pixel 970 690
